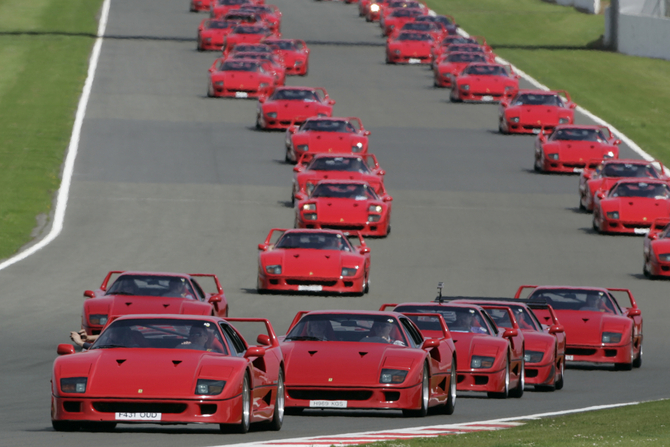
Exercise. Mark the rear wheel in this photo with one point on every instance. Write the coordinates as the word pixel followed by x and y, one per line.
pixel 518 391
pixel 450 405
pixel 505 392
pixel 278 414
pixel 425 396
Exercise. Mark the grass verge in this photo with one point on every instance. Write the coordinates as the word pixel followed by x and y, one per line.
pixel 44 51
pixel 562 49
pixel 645 424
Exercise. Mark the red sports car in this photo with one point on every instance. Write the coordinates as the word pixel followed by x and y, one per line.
pixel 199 5
pixel 544 360
pixel 175 369
pixel 397 17
pixel 241 17
pixel 150 293
pixel 295 54
pixel 607 172
pixel 347 205
pixel 630 206
pixel 449 66
pixel 572 147
pixel 275 61
pixel 447 23
pixel 373 10
pixel 212 32
pixel 330 135
pixel 311 169
pixel 439 49
pixel 270 14
pixel 292 105
pixel 422 27
pixel 248 34
pixel 219 8
pixel 322 261
pixel 657 249
pixel 368 360
pixel 249 48
pixel 240 78
pixel 489 359
pixel 530 111
pixel 484 83
pixel 597 327
pixel 410 47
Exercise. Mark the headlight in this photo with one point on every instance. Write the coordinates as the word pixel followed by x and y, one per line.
pixel 515 119
pixel 272 115
pixel 263 85
pixel 563 120
pixel 73 385
pixel 374 7
pixel 309 207
pixel 302 147
pixel 358 147
pixel 309 216
pixel 465 87
pixel 552 156
pixel 664 257
pixel 98 319
pixel 273 269
pixel 374 217
pixel 297 63
pixel 349 271
pixel 479 362
pixel 613 215
pixel 610 154
pixel 392 376
pixel 533 356
pixel 611 337
pixel 211 387
pixel 396 52
pixel 375 209
pixel 219 83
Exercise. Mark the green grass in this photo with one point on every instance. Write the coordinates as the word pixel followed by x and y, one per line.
pixel 44 51
pixel 646 424
pixel 561 48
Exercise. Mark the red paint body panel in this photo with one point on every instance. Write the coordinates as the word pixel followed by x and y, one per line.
pixel 277 113
pixel 295 53
pixel 657 249
pixel 533 118
pixel 318 142
pixel 484 88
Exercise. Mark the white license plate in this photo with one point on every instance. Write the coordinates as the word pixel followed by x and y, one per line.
pixel 414 61
pixel 569 357
pixel 316 288
pixel 641 230
pixel 241 95
pixel 578 170
pixel 487 98
pixel 138 416
pixel 536 131
pixel 328 404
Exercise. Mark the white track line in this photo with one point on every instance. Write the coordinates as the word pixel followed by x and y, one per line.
pixel 580 109
pixel 416 432
pixel 68 167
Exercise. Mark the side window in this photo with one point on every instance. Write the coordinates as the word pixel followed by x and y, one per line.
pixel 612 304
pixel 236 344
pixel 198 290
pixel 414 335
pixel 490 322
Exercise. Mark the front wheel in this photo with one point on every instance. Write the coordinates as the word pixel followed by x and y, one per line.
pixel 560 382
pixel 425 396
pixel 628 365
pixel 450 405
pixel 518 391
pixel 245 417
pixel 505 392
pixel 278 414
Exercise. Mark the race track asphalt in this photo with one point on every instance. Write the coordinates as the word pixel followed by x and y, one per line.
pixel 169 180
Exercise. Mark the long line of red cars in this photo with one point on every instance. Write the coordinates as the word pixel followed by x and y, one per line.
pixel 162 348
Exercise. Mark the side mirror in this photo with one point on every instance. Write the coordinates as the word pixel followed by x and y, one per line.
pixel 430 343
pixel 89 294
pixel 634 312
pixel 542 137
pixel 262 247
pixel 300 196
pixel 215 299
pixel 387 199
pixel 293 129
pixel 264 339
pixel 652 236
pixel 504 104
pixel 617 142
pixel 331 102
pixel 364 250
pixel 262 99
pixel 65 349
pixel 556 329
pixel 297 168
pixel 381 172
pixel 367 133
pixel 211 70
pixel 573 105
pixel 600 194
pixel 509 333
pixel 254 351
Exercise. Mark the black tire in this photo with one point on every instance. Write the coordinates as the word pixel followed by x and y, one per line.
pixel 581 204
pixel 517 392
pixel 366 288
pixel 425 398
pixel 594 224
pixel 646 272
pixel 450 405
pixel 278 414
pixel 210 90
pixel 100 426
pixel 245 421
pixel 259 125
pixel 287 159
pixel 560 381
pixel 505 392
pixel 638 360
pixel 628 365
pixel 537 166
pixel 293 411
pixel 500 128
pixel 65 425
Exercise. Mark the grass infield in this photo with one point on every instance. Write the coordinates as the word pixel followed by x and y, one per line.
pixel 562 48
pixel 44 51
pixel 645 424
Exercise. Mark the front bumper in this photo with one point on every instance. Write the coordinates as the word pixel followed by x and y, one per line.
pixel 475 380
pixel 540 374
pixel 391 398
pixel 626 226
pixel 598 353
pixel 379 229
pixel 225 92
pixel 311 284
pixel 563 166
pixel 409 59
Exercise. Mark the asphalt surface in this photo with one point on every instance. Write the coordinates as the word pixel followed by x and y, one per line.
pixel 169 180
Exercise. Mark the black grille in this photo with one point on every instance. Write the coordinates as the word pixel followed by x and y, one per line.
pixel 72 407
pixel 579 351
pixel 610 352
pixel 531 372
pixel 307 282
pixel 391 396
pixel 207 408
pixel 344 227
pixel 138 407
pixel 329 394
pixel 481 380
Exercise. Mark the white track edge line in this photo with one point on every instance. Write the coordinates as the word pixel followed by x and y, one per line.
pixel 633 145
pixel 73 148
pixel 462 424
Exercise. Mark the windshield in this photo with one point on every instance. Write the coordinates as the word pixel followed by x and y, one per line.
pixel 414 36
pixel 573 299
pixel 252 48
pixel 254 56
pixel 574 134
pixel 406 13
pixel 465 48
pixel 465 57
pixel 537 99
pixel 284 44
pixel 233 65
pixel 458 319
pixel 348 327
pixel 328 126
pixel 523 318
pixel 486 70
pixel 641 189
pixel 232 2
pixel 456 39
pixel 348 164
pixel 152 285
pixel 251 30
pixel 344 191
pixel 219 24
pixel 418 26
pixel 162 333
pixel 314 241
pixel 294 95
pixel 629 170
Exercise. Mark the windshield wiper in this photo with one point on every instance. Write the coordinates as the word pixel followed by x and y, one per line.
pixel 108 346
pixel 304 337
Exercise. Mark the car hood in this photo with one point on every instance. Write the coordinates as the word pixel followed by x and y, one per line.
pixel 334 363
pixel 539 114
pixel 311 263
pixel 577 150
pixel 118 305
pixel 289 109
pixel 328 141
pixel 492 84
pixel 469 344
pixel 238 79
pixel 637 208
pixel 344 210
pixel 586 327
